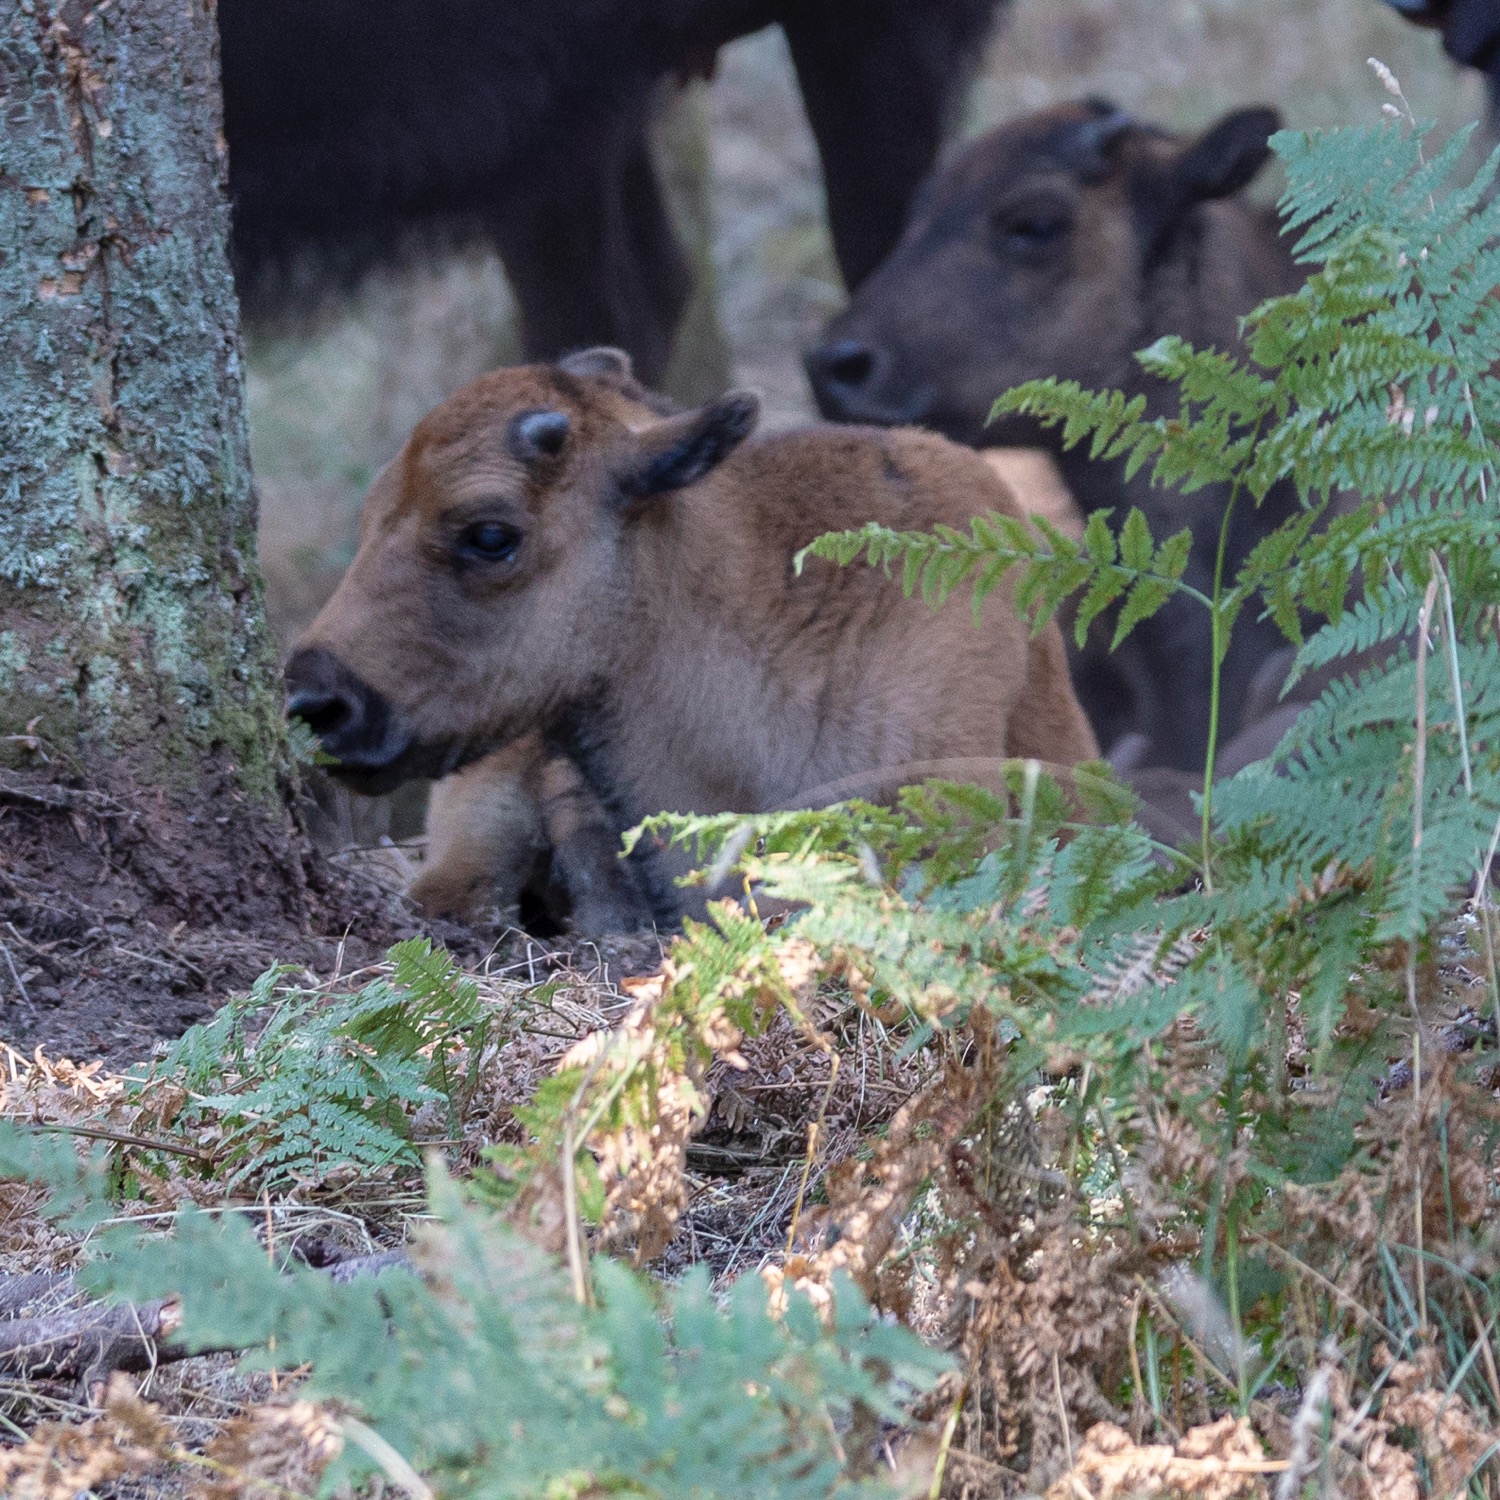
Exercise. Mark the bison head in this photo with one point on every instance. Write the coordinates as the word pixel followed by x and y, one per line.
pixel 1033 253
pixel 493 587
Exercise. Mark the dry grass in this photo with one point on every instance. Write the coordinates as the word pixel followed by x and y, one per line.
pixel 820 1145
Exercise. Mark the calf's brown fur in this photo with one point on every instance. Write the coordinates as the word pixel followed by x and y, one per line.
pixel 521 823
pixel 553 553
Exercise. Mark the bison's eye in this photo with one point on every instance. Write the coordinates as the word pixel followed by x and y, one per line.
pixel 489 541
pixel 1028 231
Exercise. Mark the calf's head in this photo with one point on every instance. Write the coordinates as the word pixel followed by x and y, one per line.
pixel 1028 255
pixel 494 586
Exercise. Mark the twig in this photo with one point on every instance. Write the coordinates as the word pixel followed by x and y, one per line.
pixel 10 963
pixel 1419 779
pixel 125 1138
pixel 1482 1332
pixel 60 802
pixel 1486 908
pixel 1164 1308
pixel 392 1464
pixel 1455 676
pixel 1062 1409
pixel 570 1215
pixel 945 1444
pixel 814 1131
pixel 1304 1427
pixel 21 1290
pixel 1160 1418
pixel 1361 1313
pixel 89 1342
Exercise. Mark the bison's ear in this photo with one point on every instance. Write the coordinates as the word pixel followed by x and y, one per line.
pixel 1227 157
pixel 680 450
pixel 1166 187
pixel 600 361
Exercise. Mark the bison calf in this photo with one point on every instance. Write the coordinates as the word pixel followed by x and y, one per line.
pixel 1059 244
pixel 554 552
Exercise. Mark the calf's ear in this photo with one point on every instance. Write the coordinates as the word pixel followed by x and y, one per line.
pixel 601 360
pixel 1226 157
pixel 679 451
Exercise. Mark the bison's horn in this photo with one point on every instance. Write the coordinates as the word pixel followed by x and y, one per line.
pixel 1095 137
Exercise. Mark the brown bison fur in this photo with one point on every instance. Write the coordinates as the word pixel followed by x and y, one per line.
pixel 522 822
pixel 552 553
pixel 1032 476
pixel 1059 245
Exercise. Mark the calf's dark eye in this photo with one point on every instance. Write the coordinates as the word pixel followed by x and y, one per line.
pixel 489 541
pixel 1029 232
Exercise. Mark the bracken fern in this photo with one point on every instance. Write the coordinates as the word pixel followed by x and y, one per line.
pixel 293 1080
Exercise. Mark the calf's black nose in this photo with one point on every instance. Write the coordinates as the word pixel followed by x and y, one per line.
pixel 353 722
pixel 330 699
pixel 324 711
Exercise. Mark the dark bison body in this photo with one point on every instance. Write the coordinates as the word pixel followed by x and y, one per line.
pixel 350 122
pixel 1059 244
pixel 1471 34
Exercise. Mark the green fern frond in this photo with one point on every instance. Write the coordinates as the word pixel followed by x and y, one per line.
pixel 299 1082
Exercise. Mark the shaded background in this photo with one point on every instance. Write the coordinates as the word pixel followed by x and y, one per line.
pixel 332 398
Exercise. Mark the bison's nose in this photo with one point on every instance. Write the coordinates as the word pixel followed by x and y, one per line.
pixel 840 371
pixel 846 362
pixel 353 723
pixel 325 711
pixel 858 382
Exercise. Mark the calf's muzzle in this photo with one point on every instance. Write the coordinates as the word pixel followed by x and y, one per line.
pixel 372 749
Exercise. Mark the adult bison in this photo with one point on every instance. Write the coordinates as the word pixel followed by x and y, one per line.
pixel 1471 35
pixel 556 553
pixel 351 121
pixel 1060 244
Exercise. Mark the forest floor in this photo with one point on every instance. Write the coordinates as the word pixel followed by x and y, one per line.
pixel 824 1142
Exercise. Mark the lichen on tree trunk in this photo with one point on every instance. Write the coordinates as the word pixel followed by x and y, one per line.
pixel 133 645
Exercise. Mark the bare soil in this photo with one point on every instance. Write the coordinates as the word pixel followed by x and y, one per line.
pixel 123 924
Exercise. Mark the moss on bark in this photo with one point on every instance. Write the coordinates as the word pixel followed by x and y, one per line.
pixel 132 632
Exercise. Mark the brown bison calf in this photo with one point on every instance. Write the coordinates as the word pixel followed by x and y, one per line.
pixel 553 553
pixel 1058 245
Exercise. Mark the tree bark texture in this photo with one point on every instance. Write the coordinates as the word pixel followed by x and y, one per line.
pixel 134 655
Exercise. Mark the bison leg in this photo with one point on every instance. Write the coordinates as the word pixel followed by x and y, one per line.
pixel 601 890
pixel 486 839
pixel 879 80
pixel 522 824
pixel 592 256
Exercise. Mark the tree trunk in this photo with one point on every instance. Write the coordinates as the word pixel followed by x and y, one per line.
pixel 137 682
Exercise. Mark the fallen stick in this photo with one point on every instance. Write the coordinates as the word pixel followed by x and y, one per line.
pixel 86 1342
pixel 90 1344
pixel 18 1292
